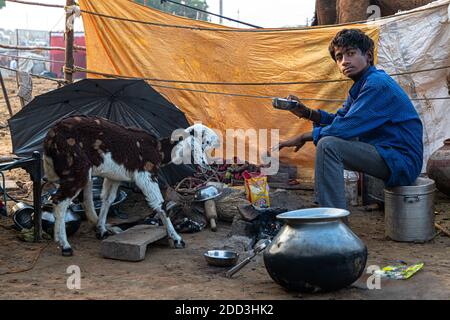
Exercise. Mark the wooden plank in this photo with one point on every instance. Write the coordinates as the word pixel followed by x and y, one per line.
pixel 131 244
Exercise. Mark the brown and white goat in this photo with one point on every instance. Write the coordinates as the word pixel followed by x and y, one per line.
pixel 79 147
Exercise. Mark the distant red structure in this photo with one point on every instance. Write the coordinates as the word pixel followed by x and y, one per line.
pixel 57 40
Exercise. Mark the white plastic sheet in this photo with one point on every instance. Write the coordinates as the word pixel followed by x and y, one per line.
pixel 415 42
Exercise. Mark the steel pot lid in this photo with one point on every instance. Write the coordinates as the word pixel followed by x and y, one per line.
pixel 313 215
pixel 422 185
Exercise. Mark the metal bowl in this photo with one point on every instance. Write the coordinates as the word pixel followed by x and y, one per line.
pixel 221 258
pixel 78 207
pixel 206 193
pixel 72 219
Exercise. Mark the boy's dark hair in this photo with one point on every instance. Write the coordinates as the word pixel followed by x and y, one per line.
pixel 352 38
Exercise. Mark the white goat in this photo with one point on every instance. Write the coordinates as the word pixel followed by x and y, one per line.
pixel 79 147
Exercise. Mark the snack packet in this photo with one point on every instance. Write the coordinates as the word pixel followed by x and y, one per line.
pixel 257 189
pixel 399 272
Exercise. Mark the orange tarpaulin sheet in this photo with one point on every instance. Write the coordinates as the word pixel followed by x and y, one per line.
pixel 222 54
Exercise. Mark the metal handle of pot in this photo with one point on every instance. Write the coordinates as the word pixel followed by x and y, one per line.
pixel 240 265
pixel 411 199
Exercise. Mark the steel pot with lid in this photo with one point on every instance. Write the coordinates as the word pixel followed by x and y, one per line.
pixel 409 211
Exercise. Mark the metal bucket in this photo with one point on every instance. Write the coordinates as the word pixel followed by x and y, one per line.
pixel 409 211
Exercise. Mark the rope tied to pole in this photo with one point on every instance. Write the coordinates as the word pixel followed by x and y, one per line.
pixel 73 12
pixel 69 70
pixel 81 69
pixel 231 94
pixel 61 81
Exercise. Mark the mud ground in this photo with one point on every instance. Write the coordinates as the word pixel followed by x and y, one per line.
pixel 168 273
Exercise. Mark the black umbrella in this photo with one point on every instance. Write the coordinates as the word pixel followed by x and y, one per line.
pixel 131 103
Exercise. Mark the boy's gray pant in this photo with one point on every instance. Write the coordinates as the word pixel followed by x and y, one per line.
pixel 333 155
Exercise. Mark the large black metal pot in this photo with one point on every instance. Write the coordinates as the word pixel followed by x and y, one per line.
pixel 315 251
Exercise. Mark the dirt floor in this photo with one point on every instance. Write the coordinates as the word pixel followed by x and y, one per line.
pixel 168 273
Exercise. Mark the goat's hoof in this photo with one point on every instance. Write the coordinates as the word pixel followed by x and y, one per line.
pixel 67 252
pixel 102 235
pixel 179 244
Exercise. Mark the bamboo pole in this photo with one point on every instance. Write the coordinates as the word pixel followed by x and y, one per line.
pixel 5 94
pixel 31 48
pixel 221 11
pixel 22 102
pixel 69 61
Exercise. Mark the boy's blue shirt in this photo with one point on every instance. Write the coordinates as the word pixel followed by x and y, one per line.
pixel 378 111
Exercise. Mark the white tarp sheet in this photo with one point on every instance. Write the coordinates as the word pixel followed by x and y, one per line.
pixel 415 42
